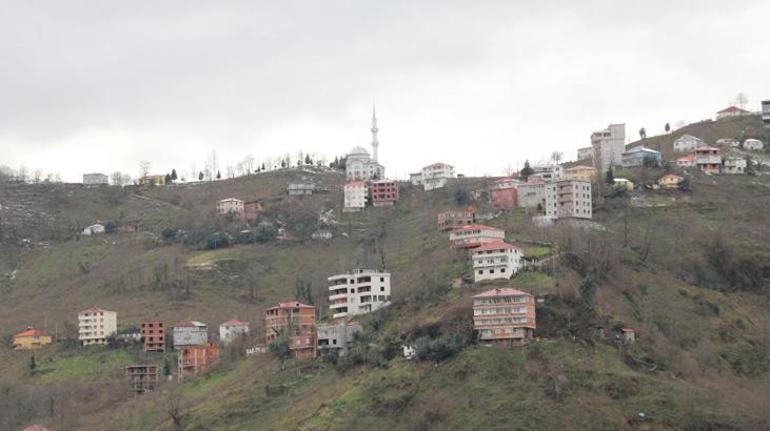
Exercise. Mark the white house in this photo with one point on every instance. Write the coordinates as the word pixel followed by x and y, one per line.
pixel 95 179
pixel 358 292
pixel 231 330
pixel 753 145
pixel 731 111
pixel 433 176
pixel 190 333
pixel 300 189
pixel 355 196
pixel 734 165
pixel 728 142
pixel 96 325
pixel 94 229
pixel 495 261
pixel 568 199
pixel 547 173
pixel 687 143
pixel 230 206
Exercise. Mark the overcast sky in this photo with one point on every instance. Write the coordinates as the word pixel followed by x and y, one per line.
pixel 98 86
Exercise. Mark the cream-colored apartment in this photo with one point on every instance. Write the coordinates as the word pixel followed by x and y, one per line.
pixel 96 325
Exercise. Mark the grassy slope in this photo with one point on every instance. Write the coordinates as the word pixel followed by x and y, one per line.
pixel 480 388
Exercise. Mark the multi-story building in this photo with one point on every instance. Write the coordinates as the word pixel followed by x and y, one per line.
pixel 495 261
pixel 550 172
pixel 454 218
pixel 685 162
pixel 355 194
pixel 153 180
pixel 230 206
pixel 687 143
pixel 531 194
pixel 31 339
pixel 766 112
pixel 753 145
pixel 190 333
pixel 608 145
pixel 580 173
pixel 300 189
pixel 96 325
pixel 95 179
pixel 708 160
pixel 732 111
pixel 504 316
pixel 142 378
pixel 641 156
pixel 504 198
pixel 734 165
pixel 154 336
pixel 474 235
pixel 337 336
pixel 434 176
pixel 232 330
pixel 358 292
pixel 585 153
pixel 192 360
pixel 295 320
pixel 252 210
pixel 568 199
pixel 383 192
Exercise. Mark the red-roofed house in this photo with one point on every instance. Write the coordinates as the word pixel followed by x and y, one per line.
pixel 31 339
pixel 455 218
pixel 732 111
pixel 231 330
pixel 297 321
pixel 472 236
pixel 687 161
pixel 504 316
pixel 495 261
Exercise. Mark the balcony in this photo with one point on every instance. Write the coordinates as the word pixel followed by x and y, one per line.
pixel 340 295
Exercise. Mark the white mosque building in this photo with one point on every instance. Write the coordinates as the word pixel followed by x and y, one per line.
pixel 359 165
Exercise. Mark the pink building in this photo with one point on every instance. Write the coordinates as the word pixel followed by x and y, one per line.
pixel 455 218
pixel 505 198
pixel 383 192
pixel 472 236
pixel 708 159
pixel 504 316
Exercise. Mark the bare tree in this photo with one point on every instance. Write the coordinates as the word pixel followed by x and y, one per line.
pixel 556 157
pixel 741 100
pixel 175 410
pixel 144 168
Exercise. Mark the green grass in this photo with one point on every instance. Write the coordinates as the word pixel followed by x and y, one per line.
pixel 84 365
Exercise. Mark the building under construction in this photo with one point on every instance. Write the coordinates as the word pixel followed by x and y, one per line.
pixel 143 378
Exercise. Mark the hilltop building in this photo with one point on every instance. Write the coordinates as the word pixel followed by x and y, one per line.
pixel 300 189
pixel 433 176
pixel 358 292
pixel 190 333
pixel 753 145
pixel 687 143
pixel 504 316
pixel 359 165
pixel 641 156
pixel 355 194
pixel 547 173
pixel 297 321
pixel 95 179
pixel 31 339
pixel 585 153
pixel 731 111
pixel 608 146
pixel 383 192
pixel 96 325
pixel 708 160
pixel 580 173
pixel 142 378
pixel 456 218
pixel 568 199
pixel 231 206
pixel 154 336
pixel 495 261
pixel 337 336
pixel 192 360
pixel 474 235
pixel 232 330
pixel 153 180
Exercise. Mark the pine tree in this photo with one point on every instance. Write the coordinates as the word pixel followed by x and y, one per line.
pixel 219 175
pixel 168 179
pixel 668 127
pixel 200 176
pixel 173 175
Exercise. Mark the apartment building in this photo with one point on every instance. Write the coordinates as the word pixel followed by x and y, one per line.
pixel 193 360
pixel 531 194
pixel 190 333
pixel 687 144
pixel 337 336
pixel 608 146
pixel 568 199
pixel 708 159
pixel 454 218
pixel 96 325
pixel 549 172
pixel 495 261
pixel 585 153
pixel 641 156
pixel 355 195
pixel 734 165
pixel 434 176
pixel 30 339
pixel 95 179
pixel 383 192
pixel 358 292
pixel 232 330
pixel 230 206
pixel 474 235
pixel 154 336
pixel 298 322
pixel 504 316
pixel 580 173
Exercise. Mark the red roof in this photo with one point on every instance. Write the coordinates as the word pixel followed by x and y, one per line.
pixel 31 332
pixel 497 245
pixel 732 109
pixel 36 428
pixel 235 322
pixel 508 291
pixel 92 310
pixel 476 227
pixel 689 157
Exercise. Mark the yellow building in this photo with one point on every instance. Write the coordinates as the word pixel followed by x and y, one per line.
pixel 157 180
pixel 31 339
pixel 580 173
pixel 670 181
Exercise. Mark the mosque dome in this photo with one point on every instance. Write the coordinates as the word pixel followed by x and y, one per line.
pixel 358 151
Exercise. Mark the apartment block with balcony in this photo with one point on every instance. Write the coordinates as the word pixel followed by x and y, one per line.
pixel 708 160
pixel 547 172
pixel 298 322
pixel 642 156
pixel 474 235
pixel 568 199
pixel 96 325
pixel 154 336
pixel 608 146
pixel 358 292
pixel 434 176
pixel 580 173
pixel 455 218
pixel 355 196
pixel 495 261
pixel 383 192
pixel 504 316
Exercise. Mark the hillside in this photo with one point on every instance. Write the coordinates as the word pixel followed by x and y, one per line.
pixel 689 271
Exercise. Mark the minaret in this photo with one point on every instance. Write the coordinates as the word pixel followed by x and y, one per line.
pixel 375 144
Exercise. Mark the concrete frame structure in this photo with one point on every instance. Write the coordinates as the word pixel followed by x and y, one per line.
pixel 298 322
pixel 154 336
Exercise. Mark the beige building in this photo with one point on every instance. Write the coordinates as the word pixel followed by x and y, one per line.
pixel 355 194
pixel 608 146
pixel 96 325
pixel 580 173
pixel 568 199
pixel 670 181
